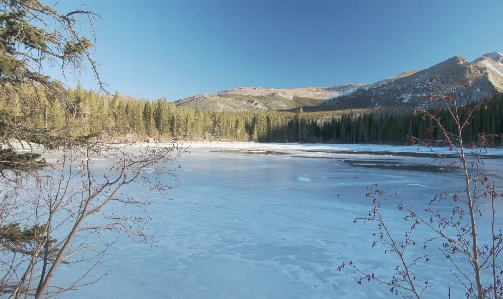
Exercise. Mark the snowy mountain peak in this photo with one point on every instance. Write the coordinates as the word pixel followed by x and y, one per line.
pixel 484 77
pixel 496 56
pixel 407 91
pixel 492 64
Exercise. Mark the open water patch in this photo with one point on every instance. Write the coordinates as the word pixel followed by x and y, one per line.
pixel 433 155
pixel 250 152
pixel 398 165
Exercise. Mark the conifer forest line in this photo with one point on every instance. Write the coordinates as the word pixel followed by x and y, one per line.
pixel 129 119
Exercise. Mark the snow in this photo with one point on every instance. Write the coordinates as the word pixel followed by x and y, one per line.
pixel 303 179
pixel 493 68
pixel 494 56
pixel 275 221
pixel 406 97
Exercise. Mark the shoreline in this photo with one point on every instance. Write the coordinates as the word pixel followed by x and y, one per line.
pixel 290 147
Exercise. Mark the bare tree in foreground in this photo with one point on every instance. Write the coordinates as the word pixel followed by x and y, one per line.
pixel 473 259
pixel 73 205
pixel 57 215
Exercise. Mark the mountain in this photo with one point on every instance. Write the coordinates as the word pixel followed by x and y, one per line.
pixel 251 98
pixel 492 63
pixel 407 91
pixel 483 77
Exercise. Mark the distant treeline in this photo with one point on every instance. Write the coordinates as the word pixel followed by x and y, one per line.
pixel 137 120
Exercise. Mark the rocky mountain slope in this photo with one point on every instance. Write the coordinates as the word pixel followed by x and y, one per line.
pixel 410 90
pixel 492 63
pixel 250 98
pixel 323 93
pixel 239 102
pixel 483 77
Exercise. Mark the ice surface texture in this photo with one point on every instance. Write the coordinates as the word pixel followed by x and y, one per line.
pixel 275 221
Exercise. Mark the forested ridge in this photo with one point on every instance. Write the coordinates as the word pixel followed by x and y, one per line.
pixel 130 119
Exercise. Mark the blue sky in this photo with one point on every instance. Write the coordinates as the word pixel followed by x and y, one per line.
pixel 174 49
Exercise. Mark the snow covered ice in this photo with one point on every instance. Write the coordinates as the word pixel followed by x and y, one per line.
pixel 275 221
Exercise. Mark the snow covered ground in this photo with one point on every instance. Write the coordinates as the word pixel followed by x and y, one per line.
pixel 276 220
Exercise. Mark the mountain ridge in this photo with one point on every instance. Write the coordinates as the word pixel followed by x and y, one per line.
pixel 409 90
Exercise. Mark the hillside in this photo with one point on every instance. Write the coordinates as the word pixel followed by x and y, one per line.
pixel 483 78
pixel 252 98
pixel 236 102
pixel 409 90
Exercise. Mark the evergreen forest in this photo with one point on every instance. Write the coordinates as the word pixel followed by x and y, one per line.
pixel 128 119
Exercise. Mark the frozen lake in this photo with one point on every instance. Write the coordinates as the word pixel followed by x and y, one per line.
pixel 275 221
